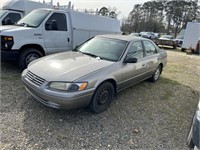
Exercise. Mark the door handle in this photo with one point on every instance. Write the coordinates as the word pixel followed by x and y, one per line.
pixel 143 65
pixel 67 39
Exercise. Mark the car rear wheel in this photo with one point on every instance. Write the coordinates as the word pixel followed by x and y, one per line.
pixel 102 97
pixel 156 74
pixel 27 56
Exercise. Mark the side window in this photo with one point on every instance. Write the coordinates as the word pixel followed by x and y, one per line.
pixel 57 21
pixel 11 18
pixel 136 50
pixel 149 48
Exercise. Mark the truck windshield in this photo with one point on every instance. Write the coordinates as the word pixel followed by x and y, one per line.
pixel 2 13
pixel 33 19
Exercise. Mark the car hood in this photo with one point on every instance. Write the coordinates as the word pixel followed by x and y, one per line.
pixel 67 66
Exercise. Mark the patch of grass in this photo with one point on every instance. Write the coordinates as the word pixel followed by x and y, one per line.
pixel 168 81
pixel 168 93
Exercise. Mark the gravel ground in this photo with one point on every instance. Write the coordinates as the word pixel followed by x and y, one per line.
pixel 145 116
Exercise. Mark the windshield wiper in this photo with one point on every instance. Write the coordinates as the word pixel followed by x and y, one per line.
pixel 75 49
pixel 24 24
pixel 90 54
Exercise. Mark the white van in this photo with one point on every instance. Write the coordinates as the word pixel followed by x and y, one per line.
pixel 47 31
pixel 13 10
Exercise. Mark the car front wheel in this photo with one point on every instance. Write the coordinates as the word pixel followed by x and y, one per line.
pixel 102 97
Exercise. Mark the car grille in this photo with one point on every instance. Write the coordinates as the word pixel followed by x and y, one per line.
pixel 34 78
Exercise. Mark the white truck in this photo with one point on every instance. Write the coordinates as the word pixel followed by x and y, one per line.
pixel 191 35
pixel 47 31
pixel 13 10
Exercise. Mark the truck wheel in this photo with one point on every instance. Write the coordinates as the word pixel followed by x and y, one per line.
pixel 27 56
pixel 174 46
pixel 183 49
pixel 102 97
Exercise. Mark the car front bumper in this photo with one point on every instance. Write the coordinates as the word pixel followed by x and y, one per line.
pixel 57 99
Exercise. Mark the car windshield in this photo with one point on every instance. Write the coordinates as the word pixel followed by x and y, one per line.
pixel 103 48
pixel 33 19
pixel 2 12
pixel 150 33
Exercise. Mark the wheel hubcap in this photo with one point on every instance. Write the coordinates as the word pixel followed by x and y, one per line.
pixel 31 57
pixel 157 73
pixel 103 97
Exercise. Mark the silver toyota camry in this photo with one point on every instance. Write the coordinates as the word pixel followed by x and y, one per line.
pixel 93 73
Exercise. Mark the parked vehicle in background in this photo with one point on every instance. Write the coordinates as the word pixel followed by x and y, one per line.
pixel 12 11
pixel 134 34
pixel 157 35
pixel 141 33
pixel 193 139
pixel 191 36
pixel 149 35
pixel 179 41
pixel 47 31
pixel 94 73
pixel 179 38
pixel 167 40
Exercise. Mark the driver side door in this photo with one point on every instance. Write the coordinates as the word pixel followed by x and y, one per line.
pixel 57 33
pixel 133 72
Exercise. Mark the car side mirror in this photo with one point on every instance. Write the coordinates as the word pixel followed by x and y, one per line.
pixel 130 60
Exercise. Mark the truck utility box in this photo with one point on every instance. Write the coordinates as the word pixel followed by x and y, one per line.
pixel 85 26
pixel 47 31
pixel 191 35
pixel 13 10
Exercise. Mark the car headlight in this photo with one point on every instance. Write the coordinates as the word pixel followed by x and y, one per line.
pixel 66 86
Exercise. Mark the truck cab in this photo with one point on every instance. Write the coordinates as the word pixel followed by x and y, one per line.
pixel 8 17
pixel 13 10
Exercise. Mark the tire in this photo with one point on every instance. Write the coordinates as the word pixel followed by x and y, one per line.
pixel 27 56
pixel 174 46
pixel 183 49
pixel 156 74
pixel 190 142
pixel 102 98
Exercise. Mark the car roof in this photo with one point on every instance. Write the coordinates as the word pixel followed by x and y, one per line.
pixel 122 37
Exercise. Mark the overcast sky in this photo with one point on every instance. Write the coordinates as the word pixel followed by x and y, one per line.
pixel 124 6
